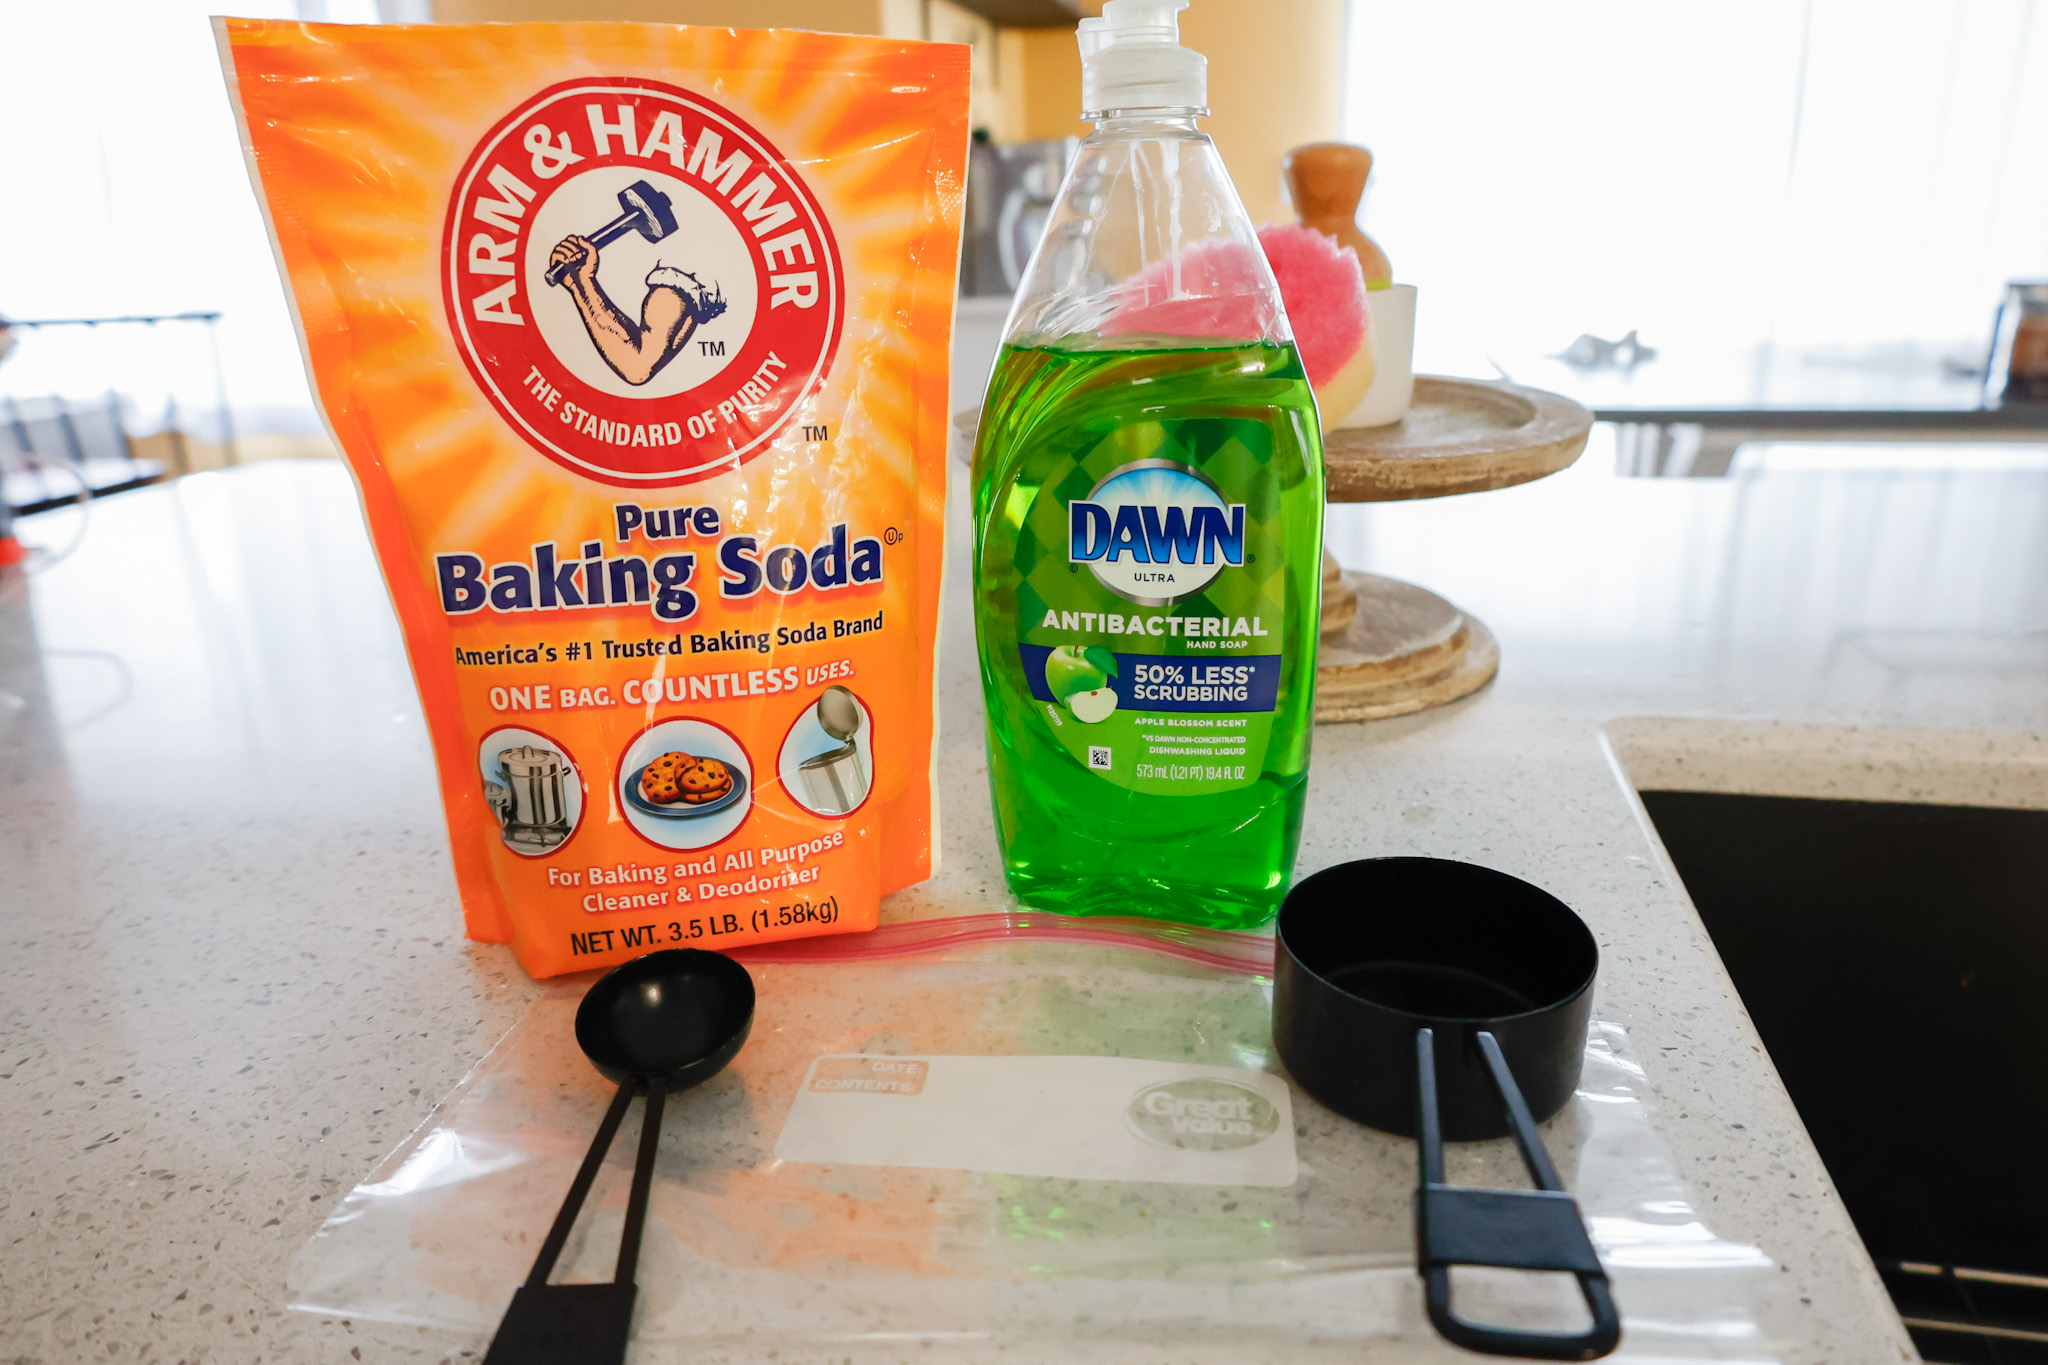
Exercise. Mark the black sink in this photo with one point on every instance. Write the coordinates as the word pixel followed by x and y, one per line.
pixel 1895 960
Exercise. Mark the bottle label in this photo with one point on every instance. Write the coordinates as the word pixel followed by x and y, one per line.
pixel 1151 636
pixel 1118 1118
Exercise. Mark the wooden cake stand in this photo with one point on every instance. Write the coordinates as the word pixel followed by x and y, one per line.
pixel 1388 647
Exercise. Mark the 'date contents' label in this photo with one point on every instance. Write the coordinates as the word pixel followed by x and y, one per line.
pixel 1073 1118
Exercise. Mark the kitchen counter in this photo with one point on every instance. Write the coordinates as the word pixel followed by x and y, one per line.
pixel 236 975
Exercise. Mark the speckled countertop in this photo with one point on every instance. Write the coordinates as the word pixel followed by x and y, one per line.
pixel 233 963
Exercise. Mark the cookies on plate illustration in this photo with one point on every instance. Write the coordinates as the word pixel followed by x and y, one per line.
pixel 677 777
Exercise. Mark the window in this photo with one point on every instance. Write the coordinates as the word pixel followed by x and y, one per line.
pixel 1827 173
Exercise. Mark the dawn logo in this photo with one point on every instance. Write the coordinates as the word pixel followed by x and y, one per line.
pixel 1202 1115
pixel 1155 531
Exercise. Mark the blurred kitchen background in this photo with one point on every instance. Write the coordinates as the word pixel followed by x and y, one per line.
pixel 1740 231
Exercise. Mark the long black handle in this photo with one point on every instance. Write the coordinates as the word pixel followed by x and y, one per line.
pixel 1537 1229
pixel 550 1324
pixel 579 1188
pixel 643 1182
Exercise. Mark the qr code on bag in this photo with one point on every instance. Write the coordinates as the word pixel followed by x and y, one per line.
pixel 1098 758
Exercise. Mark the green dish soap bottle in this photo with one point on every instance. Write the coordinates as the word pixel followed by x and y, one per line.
pixel 1148 508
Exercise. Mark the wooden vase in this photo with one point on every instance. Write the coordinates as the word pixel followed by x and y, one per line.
pixel 1325 182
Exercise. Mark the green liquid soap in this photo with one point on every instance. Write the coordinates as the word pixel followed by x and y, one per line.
pixel 1147 555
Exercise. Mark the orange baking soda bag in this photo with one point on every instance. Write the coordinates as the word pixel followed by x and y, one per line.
pixel 635 338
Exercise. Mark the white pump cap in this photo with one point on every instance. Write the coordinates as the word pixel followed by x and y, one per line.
pixel 1131 58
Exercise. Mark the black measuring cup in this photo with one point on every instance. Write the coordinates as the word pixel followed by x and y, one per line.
pixel 659 1024
pixel 1437 1000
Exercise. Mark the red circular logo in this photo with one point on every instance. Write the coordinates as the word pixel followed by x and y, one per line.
pixel 640 283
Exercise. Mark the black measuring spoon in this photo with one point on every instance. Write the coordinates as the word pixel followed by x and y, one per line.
pixel 657 1024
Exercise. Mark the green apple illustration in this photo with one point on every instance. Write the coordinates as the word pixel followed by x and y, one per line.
pixel 1078 668
pixel 1079 676
pixel 1093 706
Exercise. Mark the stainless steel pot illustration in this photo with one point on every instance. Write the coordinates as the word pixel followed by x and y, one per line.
pixel 529 797
pixel 836 782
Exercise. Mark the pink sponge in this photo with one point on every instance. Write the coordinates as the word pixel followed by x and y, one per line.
pixel 1213 289
pixel 1216 290
pixel 1324 290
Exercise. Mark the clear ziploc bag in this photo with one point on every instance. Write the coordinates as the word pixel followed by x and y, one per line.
pixel 1011 1136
